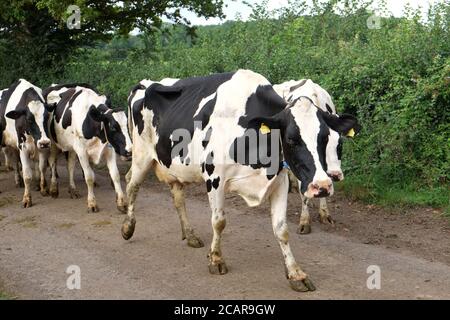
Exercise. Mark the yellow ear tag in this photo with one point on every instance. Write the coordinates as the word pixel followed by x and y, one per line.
pixel 264 129
pixel 351 133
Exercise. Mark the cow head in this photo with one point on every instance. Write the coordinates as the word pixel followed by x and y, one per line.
pixel 116 129
pixel 305 133
pixel 30 116
pixel 292 90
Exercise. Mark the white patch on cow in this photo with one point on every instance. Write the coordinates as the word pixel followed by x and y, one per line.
pixel 333 162
pixel 122 120
pixel 303 112
pixel 203 102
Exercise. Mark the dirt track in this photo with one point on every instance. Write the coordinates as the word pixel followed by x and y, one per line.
pixel 38 244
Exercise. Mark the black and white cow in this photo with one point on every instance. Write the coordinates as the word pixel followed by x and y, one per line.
pixel 85 126
pixel 23 114
pixel 231 131
pixel 290 90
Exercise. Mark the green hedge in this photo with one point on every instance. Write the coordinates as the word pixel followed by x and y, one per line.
pixel 396 79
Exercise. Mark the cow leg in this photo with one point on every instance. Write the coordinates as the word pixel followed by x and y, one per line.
pixel 36 176
pixel 216 200
pixel 139 168
pixel 324 214
pixel 71 161
pixel 43 162
pixel 54 192
pixel 27 169
pixel 89 177
pixel 304 226
pixel 187 232
pixel 298 280
pixel 9 160
pixel 115 180
pixel 13 160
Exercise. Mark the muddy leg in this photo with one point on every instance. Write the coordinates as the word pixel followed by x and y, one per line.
pixel 298 280
pixel 43 162
pixel 89 177
pixel 216 262
pixel 187 232
pixel 115 179
pixel 141 164
pixel 324 213
pixel 71 162
pixel 27 169
pixel 304 226
pixel 54 192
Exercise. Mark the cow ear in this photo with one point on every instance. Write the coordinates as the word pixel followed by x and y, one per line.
pixel 344 124
pixel 265 124
pixel 16 114
pixel 96 115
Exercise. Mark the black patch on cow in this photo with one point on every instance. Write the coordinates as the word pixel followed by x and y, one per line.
pixel 27 124
pixel 203 167
pixel 207 138
pixel 137 108
pixel 301 84
pixel 322 141
pixel 209 168
pixel 204 114
pixel 62 104
pixel 265 102
pixel 339 148
pixel 92 128
pixel 53 131
pixel 215 183
pixel 67 119
pixel 174 108
pixel 208 185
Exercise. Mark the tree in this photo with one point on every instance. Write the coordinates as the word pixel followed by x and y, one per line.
pixel 34 33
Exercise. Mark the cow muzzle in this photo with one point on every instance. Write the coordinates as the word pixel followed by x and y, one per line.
pixel 43 144
pixel 320 189
pixel 336 175
pixel 127 156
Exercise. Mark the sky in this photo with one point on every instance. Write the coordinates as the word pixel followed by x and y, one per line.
pixel 238 7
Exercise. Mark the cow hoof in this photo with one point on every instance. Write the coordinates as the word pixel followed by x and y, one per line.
pixel 74 194
pixel 304 285
pixel 218 268
pixel 326 220
pixel 195 242
pixel 54 192
pixel 122 208
pixel 44 192
pixel 304 229
pixel 128 228
pixel 27 203
pixel 92 208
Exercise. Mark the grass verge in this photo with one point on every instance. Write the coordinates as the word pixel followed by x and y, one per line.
pixel 394 195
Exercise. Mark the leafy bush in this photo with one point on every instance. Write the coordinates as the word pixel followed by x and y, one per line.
pixel 396 79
